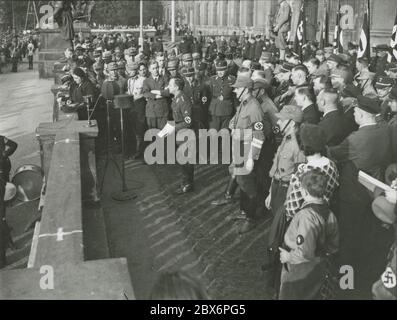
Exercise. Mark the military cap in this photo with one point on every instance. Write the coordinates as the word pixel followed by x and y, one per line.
pixel 290 112
pixel 334 57
pixel 221 65
pixel 98 66
pixel 113 66
pixel 79 47
pixel 243 82
pixel 131 66
pixel 258 36
pixel 196 56
pixel 187 57
pixel 368 104
pixel 393 93
pixel 350 91
pixel 188 72
pixel 286 67
pixel 328 49
pixel 172 64
pixel 129 35
pixel 384 82
pixel 346 75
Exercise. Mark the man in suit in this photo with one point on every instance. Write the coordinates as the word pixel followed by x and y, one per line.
pixel 332 122
pixel 305 99
pixel 157 109
pixel 367 149
pixel 282 26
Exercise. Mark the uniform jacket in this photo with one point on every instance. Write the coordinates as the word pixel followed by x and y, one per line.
pixel 155 107
pixel 287 158
pixel 181 112
pixel 185 47
pixel 222 96
pixel 232 69
pixel 249 115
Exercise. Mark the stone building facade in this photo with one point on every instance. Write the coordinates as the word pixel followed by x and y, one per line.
pixel 256 16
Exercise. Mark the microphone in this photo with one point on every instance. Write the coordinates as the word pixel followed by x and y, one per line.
pixel 110 89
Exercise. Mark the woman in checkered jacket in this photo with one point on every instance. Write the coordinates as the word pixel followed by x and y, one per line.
pixel 313 140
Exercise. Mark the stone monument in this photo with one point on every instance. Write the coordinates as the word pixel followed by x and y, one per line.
pixel 58 23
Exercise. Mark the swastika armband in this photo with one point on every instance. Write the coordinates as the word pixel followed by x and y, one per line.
pixel 204 99
pixel 258 126
pixel 389 278
pixel 188 120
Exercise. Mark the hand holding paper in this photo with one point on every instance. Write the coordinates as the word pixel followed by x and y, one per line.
pixel 166 131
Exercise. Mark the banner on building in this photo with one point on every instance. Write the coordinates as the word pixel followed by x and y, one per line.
pixel 392 56
pixel 364 48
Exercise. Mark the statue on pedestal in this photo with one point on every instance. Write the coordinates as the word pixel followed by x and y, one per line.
pixel 66 11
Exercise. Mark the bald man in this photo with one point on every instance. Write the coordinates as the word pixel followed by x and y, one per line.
pixel 332 122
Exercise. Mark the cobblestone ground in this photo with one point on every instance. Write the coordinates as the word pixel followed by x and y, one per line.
pixel 184 232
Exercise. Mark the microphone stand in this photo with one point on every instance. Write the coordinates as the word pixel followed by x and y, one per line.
pixel 109 154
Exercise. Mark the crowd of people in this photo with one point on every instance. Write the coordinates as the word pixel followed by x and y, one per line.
pixel 315 120
pixel 16 47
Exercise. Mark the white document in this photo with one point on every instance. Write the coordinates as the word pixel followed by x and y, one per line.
pixel 166 131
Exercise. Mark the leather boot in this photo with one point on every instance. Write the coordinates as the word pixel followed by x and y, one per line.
pixel 251 222
pixel 228 196
pixel 139 148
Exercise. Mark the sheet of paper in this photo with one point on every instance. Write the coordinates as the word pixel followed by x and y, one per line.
pixel 371 183
pixel 167 130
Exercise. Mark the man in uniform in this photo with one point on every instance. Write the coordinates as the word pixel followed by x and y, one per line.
pixel 154 91
pixel 182 116
pixel 7 148
pixel 232 67
pixel 259 45
pixel 198 97
pixel 282 26
pixel 222 103
pixel 247 134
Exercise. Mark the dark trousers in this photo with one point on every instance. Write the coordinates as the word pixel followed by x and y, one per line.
pixel 14 65
pixel 279 194
pixel 156 122
pixel 30 58
pixel 219 122
pixel 187 171
pixel 136 127
pixel 3 245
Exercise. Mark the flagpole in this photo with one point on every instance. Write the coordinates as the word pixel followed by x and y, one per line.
pixel 369 30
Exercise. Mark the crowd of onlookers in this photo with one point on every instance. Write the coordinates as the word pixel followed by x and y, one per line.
pixel 16 47
pixel 325 115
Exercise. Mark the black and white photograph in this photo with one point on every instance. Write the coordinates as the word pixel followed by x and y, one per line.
pixel 207 150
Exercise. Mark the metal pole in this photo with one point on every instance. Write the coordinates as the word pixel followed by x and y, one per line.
pixel 173 20
pixel 141 26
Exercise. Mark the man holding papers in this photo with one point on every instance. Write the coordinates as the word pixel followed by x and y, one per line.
pixel 182 116
pixel 367 149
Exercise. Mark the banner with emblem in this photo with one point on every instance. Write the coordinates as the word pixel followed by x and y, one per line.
pixel 324 35
pixel 300 37
pixel 338 33
pixel 392 55
pixel 364 47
